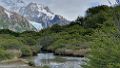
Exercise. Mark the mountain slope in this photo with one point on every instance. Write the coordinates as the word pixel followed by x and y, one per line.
pixel 34 12
pixel 42 14
pixel 12 5
pixel 14 21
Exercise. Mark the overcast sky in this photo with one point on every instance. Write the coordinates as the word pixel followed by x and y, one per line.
pixel 70 9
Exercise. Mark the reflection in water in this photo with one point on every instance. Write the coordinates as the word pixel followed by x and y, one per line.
pixel 70 62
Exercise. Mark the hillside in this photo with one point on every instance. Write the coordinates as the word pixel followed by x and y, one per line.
pixel 13 21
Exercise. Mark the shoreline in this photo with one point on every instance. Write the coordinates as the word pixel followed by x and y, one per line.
pixel 64 54
pixel 27 62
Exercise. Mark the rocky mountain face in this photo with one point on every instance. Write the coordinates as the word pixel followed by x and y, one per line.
pixel 42 14
pixel 14 21
pixel 38 15
pixel 12 5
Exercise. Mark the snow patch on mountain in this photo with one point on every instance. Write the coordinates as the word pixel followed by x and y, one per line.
pixel 37 25
pixel 35 10
pixel 45 10
pixel 8 13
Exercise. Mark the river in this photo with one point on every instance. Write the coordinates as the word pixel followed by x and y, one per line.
pixel 49 59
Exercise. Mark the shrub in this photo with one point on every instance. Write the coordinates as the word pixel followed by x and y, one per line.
pixel 5 55
pixel 105 52
pixel 26 51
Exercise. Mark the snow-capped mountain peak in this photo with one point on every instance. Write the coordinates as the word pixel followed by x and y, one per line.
pixel 38 9
pixel 35 14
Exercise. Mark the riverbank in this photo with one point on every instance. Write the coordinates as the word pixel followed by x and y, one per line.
pixel 43 60
pixel 68 52
pixel 14 63
pixel 17 63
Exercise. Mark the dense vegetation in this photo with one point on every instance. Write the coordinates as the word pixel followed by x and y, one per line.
pixel 96 36
pixel 105 46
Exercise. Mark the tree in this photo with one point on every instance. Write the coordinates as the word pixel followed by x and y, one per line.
pixel 80 20
pixel 56 28
pixel 96 10
pixel 46 41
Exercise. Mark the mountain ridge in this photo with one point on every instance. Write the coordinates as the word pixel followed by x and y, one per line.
pixel 41 14
pixel 37 13
pixel 13 21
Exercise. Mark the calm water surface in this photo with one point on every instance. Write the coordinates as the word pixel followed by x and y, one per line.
pixel 53 61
